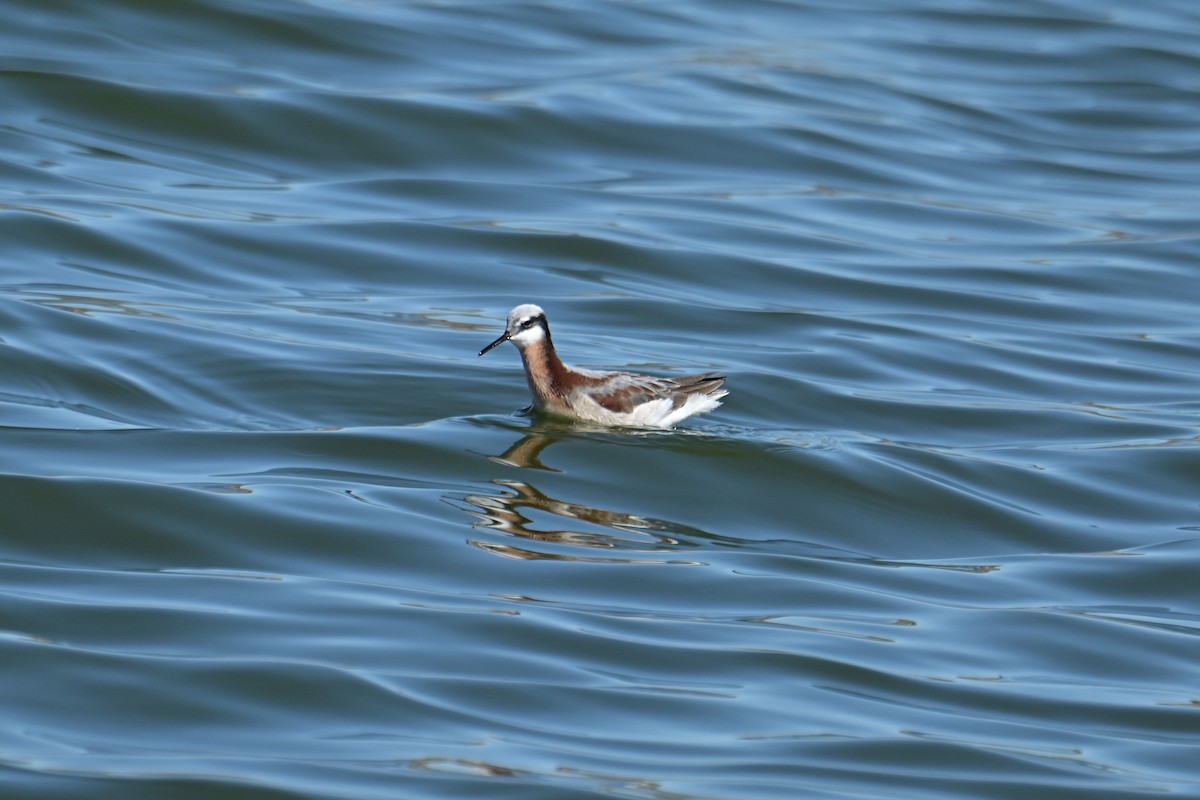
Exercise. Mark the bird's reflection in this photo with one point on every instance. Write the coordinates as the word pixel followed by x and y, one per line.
pixel 512 509
pixel 527 451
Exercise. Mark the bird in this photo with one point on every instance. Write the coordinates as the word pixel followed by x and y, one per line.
pixel 620 399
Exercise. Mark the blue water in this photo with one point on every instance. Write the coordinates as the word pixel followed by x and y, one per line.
pixel 272 530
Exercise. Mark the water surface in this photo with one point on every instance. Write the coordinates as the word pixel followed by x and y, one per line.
pixel 271 529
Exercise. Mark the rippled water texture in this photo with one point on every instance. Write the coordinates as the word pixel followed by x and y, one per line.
pixel 272 530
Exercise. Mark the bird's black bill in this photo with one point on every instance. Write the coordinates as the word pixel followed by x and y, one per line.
pixel 503 338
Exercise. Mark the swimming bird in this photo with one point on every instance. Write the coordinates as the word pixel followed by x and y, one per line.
pixel 607 398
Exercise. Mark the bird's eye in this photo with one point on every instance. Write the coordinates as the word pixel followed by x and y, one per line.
pixel 526 324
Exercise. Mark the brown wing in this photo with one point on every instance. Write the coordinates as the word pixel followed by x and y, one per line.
pixel 624 392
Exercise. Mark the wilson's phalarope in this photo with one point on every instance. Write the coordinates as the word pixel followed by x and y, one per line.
pixel 608 398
